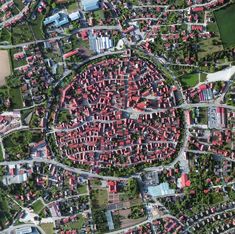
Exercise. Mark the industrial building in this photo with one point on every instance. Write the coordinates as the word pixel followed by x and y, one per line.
pixel 162 189
pixel 99 43
pixel 90 5
pixel 59 19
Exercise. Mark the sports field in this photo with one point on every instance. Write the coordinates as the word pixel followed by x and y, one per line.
pixel 225 19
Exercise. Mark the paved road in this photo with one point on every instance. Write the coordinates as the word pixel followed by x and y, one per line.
pixel 206 152
pixel 205 104
pixel 117 27
pixel 56 163
pixel 13 228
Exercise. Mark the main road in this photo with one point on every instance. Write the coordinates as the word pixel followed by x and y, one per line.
pixel 58 164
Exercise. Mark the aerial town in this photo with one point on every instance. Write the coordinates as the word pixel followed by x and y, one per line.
pixel 117 116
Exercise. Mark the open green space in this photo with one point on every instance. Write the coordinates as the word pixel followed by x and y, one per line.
pixel 225 19
pixel 17 143
pixel 25 114
pixel 189 80
pixel 72 6
pixel 17 63
pixel 99 15
pixel 5 35
pixel 99 198
pixel 19 4
pixel 1 154
pixel 37 206
pixel 77 225
pixel 16 98
pixel 210 45
pixel 82 189
pixel 36 26
pixel 48 228
pixel 203 77
pixel 19 37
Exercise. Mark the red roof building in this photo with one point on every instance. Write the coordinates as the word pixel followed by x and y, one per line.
pixel 184 180
pixel 112 186
pixel 71 53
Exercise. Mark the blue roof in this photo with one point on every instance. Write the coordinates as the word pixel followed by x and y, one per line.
pixel 90 5
pixel 58 19
pixel 109 219
pixel 160 190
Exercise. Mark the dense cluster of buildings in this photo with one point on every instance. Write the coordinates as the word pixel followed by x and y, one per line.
pixel 16 174
pixel 61 19
pixel 11 14
pixel 9 121
pixel 115 118
pixel 99 43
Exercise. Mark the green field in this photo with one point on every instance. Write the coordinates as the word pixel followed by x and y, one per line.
pixel 99 15
pixel 19 37
pixel 5 35
pixel 1 155
pixel 37 206
pixel 16 98
pixel 77 225
pixel 189 80
pixel 225 19
pixel 17 143
pixel 82 189
pixel 99 198
pixel 48 228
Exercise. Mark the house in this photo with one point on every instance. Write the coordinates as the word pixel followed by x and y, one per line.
pixel 112 186
pixel 71 53
pixel 185 182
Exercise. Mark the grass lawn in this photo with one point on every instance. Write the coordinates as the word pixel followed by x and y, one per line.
pixel 19 4
pixel 72 6
pixel 19 37
pixel 76 224
pixel 99 15
pixel 25 113
pixel 47 228
pixel 16 98
pixel 17 143
pixel 189 80
pixel 64 116
pixel 5 35
pixel 203 77
pixel 210 45
pixel 1 155
pixel 36 26
pixel 82 189
pixel 99 198
pixel 225 19
pixel 203 115
pixel 37 206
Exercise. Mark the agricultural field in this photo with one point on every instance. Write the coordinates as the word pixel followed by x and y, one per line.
pixel 225 19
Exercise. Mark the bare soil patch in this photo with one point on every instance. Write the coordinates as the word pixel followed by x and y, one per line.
pixel 5 68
